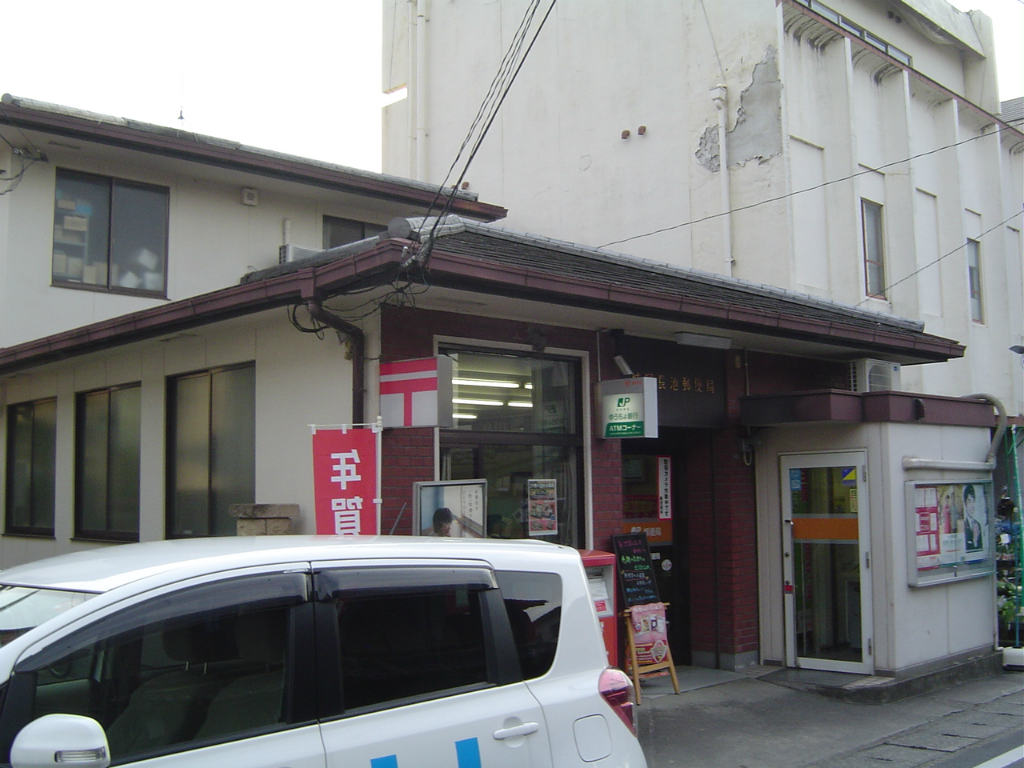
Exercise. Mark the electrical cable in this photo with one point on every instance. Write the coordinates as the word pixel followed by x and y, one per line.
pixel 794 193
pixel 494 113
pixel 932 263
pixel 497 83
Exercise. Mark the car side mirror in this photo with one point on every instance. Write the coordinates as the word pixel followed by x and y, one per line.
pixel 61 740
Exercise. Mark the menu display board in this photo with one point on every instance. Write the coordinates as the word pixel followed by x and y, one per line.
pixel 634 568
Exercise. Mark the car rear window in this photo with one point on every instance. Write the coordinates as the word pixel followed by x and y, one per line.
pixel 534 605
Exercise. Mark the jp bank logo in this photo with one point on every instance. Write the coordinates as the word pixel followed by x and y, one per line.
pixel 467 755
pixel 622 402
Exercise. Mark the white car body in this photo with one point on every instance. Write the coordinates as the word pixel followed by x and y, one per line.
pixel 302 651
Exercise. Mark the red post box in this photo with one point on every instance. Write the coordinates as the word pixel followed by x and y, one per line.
pixel 600 567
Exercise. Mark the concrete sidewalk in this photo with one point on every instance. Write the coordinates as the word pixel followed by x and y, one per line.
pixel 745 720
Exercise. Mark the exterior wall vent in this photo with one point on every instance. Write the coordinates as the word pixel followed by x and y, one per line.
pixel 868 375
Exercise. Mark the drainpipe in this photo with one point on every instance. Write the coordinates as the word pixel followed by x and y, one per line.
pixel 720 97
pixel 421 90
pixel 357 339
pixel 989 464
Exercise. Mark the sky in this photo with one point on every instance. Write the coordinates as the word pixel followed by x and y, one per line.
pixel 301 77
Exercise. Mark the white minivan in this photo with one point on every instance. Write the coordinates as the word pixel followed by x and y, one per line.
pixel 302 651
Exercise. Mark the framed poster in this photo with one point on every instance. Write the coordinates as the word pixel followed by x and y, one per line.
pixel 455 508
pixel 542 507
pixel 949 530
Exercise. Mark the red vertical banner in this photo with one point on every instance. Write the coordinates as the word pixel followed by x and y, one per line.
pixel 345 481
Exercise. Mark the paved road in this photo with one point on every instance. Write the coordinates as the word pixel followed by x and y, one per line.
pixel 732 720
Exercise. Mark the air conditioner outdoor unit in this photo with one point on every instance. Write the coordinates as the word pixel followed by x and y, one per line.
pixel 868 375
pixel 288 252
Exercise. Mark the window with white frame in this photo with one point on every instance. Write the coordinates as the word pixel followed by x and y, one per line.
pixel 874 249
pixel 974 280
pixel 109 234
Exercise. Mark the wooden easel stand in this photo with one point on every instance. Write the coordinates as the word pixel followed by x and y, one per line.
pixel 638 670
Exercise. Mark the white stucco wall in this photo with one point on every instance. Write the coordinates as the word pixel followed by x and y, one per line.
pixel 299 380
pixel 912 625
pixel 213 238
pixel 799 112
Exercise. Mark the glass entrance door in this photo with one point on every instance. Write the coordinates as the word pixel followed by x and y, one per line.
pixel 826 562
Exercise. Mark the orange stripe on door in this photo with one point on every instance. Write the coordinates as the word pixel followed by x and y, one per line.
pixel 825 528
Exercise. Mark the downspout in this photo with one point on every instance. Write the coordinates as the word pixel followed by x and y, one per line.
pixel 357 339
pixel 720 96
pixel 421 91
pixel 989 464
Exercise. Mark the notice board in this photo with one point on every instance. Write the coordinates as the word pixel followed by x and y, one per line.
pixel 635 570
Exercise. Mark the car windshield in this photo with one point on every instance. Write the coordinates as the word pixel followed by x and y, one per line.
pixel 23 608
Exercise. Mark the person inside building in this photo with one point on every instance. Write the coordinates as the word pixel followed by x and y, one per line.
pixel 443 519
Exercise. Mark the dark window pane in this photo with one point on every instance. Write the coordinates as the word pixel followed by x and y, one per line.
pixel 91 461
pixel 138 237
pixel 190 454
pixel 534 605
pixel 19 466
pixel 125 410
pixel 342 231
pixel 212 452
pixel 233 440
pixel 81 221
pixel 404 647
pixel 44 452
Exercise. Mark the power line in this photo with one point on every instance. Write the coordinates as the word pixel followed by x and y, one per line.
pixel 483 133
pixel 787 195
pixel 486 105
pixel 932 263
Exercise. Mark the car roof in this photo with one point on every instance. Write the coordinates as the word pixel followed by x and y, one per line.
pixel 102 569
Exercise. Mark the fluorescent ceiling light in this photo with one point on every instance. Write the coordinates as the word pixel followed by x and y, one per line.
pixel 520 403
pixel 470 401
pixel 486 383
pixel 703 340
pixel 463 415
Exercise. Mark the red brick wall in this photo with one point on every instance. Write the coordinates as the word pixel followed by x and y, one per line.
pixel 722 532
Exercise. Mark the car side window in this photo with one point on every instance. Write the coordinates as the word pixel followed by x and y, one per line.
pixel 163 680
pixel 411 634
pixel 534 605
pixel 399 647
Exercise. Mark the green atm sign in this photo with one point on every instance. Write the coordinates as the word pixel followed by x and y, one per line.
pixel 624 418
pixel 629 407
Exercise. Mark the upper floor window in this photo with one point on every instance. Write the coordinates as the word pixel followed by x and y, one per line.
pixel 31 467
pixel 974 280
pixel 110 234
pixel 339 231
pixel 107 463
pixel 874 249
pixel 211 458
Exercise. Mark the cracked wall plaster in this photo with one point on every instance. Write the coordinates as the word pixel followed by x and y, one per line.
pixel 757 134
pixel 707 153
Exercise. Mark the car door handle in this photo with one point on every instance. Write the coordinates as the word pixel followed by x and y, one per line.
pixel 525 729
